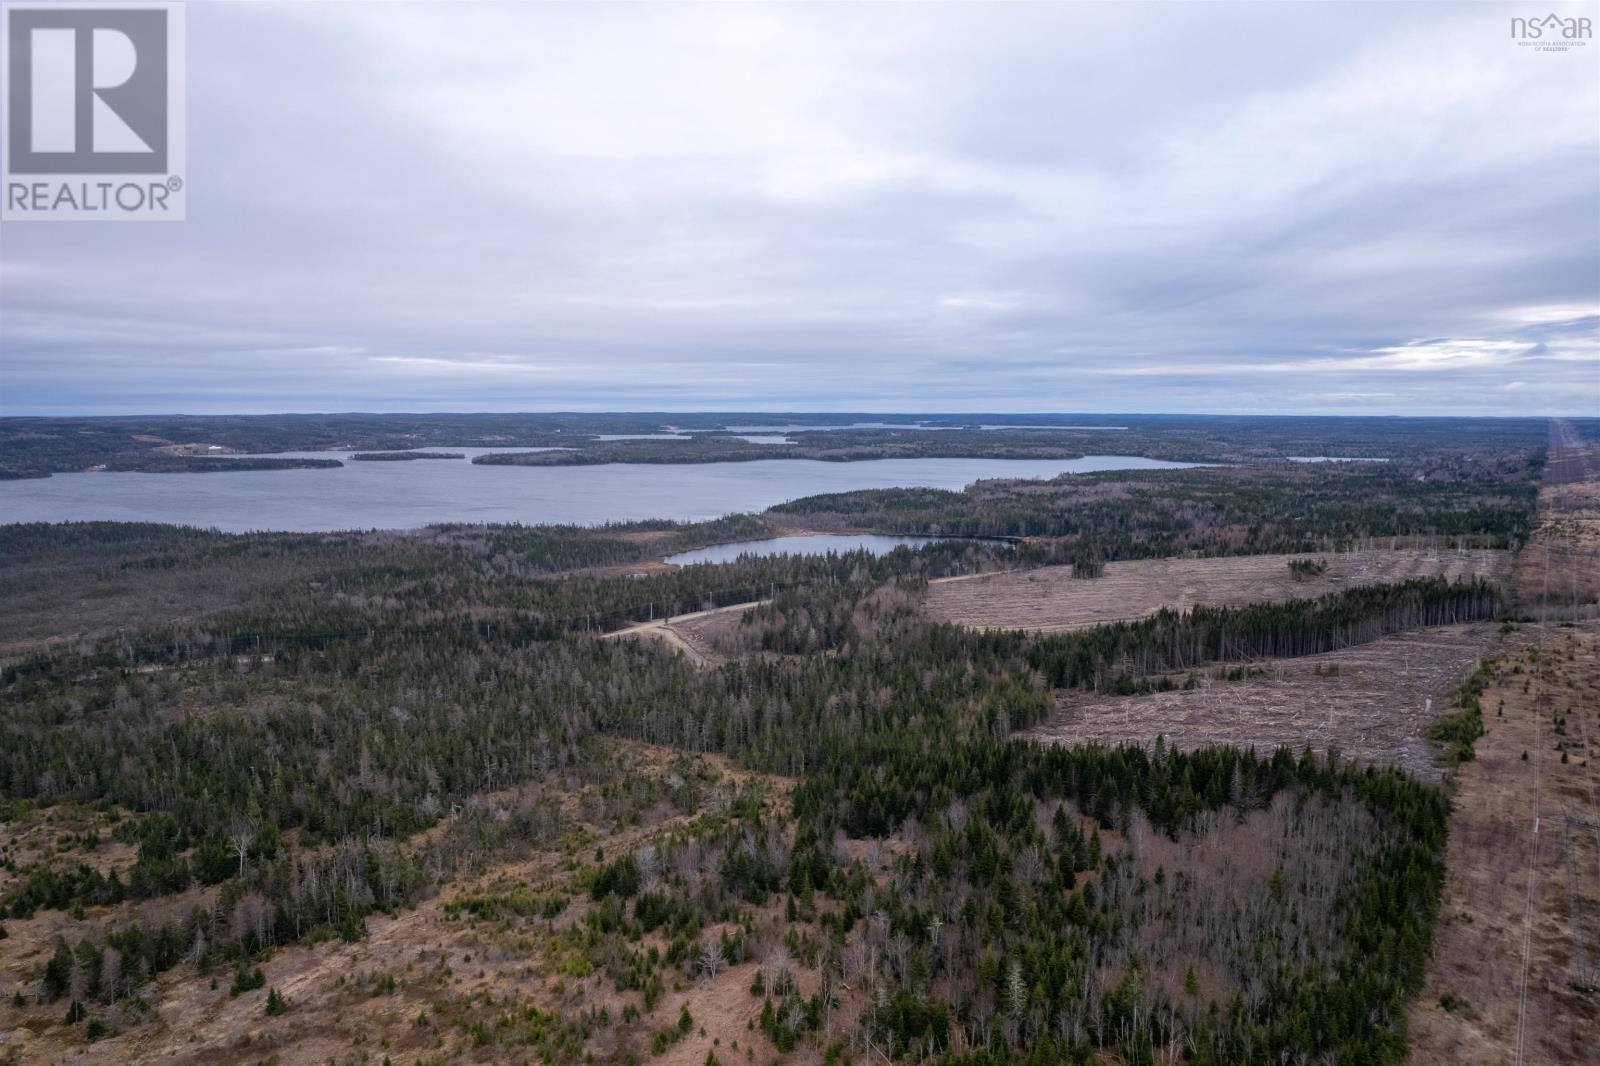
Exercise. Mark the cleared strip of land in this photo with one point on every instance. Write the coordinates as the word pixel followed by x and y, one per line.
pixel 1516 953
pixel 1522 889
pixel 1370 701
pixel 1557 575
pixel 1051 599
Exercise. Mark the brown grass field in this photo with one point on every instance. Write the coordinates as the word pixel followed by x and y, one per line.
pixel 1500 983
pixel 1050 598
pixel 1369 701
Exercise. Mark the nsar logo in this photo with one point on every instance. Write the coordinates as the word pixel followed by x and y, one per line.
pixel 1552 33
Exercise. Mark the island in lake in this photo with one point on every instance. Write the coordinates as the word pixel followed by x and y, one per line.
pixel 395 457
pixel 204 464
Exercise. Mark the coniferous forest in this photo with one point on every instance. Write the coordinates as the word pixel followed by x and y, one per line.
pixel 297 736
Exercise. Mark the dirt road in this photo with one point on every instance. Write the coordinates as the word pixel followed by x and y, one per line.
pixel 662 629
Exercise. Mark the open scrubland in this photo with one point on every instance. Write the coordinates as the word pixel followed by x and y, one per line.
pixel 1513 972
pixel 507 958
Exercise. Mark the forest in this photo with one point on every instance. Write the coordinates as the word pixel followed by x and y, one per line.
pixel 290 737
pixel 352 744
pixel 39 447
pixel 1481 501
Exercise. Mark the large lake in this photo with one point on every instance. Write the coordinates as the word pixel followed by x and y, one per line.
pixel 404 495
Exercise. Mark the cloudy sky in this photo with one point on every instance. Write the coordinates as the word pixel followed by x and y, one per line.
pixel 1342 208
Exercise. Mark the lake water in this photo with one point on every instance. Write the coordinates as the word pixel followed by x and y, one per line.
pixel 796 427
pixel 404 495
pixel 815 545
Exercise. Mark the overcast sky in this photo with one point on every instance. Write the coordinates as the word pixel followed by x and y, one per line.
pixel 1140 207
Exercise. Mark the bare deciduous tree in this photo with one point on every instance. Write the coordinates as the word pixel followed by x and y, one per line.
pixel 712 960
pixel 240 839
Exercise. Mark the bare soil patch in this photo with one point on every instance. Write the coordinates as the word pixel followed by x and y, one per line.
pixel 1050 598
pixel 1370 701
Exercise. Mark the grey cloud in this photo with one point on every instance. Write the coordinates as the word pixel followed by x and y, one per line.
pixel 1072 207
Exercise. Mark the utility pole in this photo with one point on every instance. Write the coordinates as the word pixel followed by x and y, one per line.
pixel 1586 972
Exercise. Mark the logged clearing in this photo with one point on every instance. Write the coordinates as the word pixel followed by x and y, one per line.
pixel 1051 599
pixel 1369 701
pixel 1522 892
pixel 427 984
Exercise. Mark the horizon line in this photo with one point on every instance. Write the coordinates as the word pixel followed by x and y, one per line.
pixel 814 413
